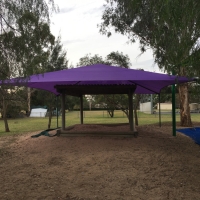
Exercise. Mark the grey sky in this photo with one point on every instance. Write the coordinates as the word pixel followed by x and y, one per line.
pixel 77 24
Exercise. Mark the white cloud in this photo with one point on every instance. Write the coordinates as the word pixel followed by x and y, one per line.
pixel 66 10
pixel 77 24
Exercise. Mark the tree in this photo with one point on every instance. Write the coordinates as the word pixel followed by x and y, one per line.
pixel 110 102
pixel 46 99
pixel 118 59
pixel 9 101
pixel 195 92
pixel 57 61
pixel 25 39
pixel 25 35
pixel 90 60
pixel 73 102
pixel 114 58
pixel 170 28
pixel 58 57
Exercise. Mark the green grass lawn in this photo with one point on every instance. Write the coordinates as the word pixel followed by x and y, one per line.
pixel 24 125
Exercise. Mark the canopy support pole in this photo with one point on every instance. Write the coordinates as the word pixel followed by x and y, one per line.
pixel 63 111
pixel 173 111
pixel 81 109
pixel 57 109
pixel 130 97
pixel 159 111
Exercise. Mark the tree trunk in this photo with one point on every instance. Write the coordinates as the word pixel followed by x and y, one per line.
pixel 126 111
pixel 5 117
pixel 137 99
pixel 136 117
pixel 90 104
pixel 6 124
pixel 50 117
pixel 111 113
pixel 185 116
pixel 28 101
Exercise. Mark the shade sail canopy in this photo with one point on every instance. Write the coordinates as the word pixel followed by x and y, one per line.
pixel 94 79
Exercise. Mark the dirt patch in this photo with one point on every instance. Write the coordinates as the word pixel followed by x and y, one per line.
pixel 155 165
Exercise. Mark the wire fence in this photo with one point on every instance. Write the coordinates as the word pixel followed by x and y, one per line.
pixel 143 118
pixel 119 113
pixel 102 113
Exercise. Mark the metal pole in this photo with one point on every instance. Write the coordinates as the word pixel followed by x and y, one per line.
pixel 130 96
pixel 81 109
pixel 57 109
pixel 63 111
pixel 159 111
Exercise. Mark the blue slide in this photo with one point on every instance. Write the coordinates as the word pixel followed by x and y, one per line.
pixel 194 133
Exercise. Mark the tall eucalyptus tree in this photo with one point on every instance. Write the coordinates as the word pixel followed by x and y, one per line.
pixel 170 28
pixel 25 40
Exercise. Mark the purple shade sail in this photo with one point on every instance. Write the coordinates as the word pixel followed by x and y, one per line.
pixel 99 74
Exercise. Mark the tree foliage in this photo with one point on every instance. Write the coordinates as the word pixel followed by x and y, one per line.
pixel 58 57
pixel 170 28
pixel 114 58
pixel 25 36
pixel 88 59
pixel 109 102
pixel 25 42
pixel 57 60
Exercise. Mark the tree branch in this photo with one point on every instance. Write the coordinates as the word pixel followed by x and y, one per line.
pixel 7 23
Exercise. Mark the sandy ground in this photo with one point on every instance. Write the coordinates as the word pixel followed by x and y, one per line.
pixel 155 165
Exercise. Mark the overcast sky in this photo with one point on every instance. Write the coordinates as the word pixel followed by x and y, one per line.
pixel 77 24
